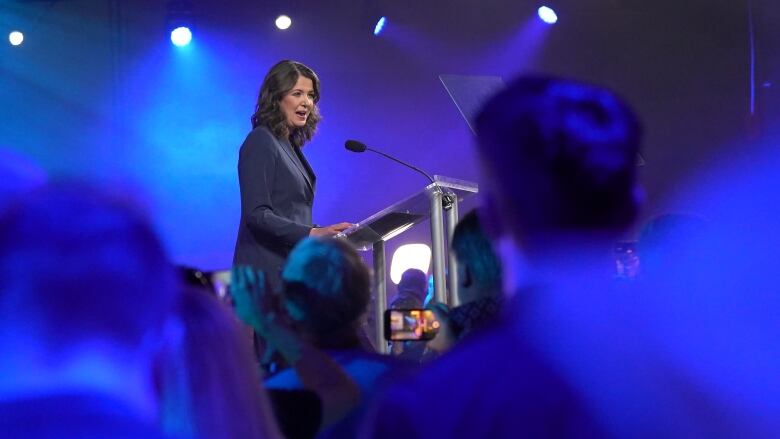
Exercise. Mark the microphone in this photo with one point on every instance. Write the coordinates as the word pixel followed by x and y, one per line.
pixel 355 146
pixel 358 146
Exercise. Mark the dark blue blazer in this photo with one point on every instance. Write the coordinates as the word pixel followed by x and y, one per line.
pixel 277 193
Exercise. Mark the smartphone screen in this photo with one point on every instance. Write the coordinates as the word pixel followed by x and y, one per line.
pixel 410 324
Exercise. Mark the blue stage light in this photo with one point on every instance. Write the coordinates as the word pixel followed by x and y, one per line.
pixel 181 36
pixel 547 15
pixel 15 38
pixel 380 25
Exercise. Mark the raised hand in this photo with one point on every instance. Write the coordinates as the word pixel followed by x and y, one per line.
pixel 247 288
pixel 337 390
pixel 256 308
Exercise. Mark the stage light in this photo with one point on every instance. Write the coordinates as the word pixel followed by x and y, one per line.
pixel 181 36
pixel 547 15
pixel 283 22
pixel 15 38
pixel 409 256
pixel 380 25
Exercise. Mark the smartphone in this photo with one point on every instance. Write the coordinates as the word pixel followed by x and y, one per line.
pixel 410 324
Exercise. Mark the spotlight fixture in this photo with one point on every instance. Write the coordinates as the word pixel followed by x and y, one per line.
pixel 547 15
pixel 380 25
pixel 283 22
pixel 15 38
pixel 181 36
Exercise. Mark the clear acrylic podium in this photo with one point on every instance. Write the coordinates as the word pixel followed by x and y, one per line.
pixel 435 201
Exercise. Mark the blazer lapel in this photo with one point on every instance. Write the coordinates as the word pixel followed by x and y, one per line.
pixel 300 163
pixel 311 178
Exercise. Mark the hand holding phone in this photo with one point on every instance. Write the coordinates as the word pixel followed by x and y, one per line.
pixel 445 339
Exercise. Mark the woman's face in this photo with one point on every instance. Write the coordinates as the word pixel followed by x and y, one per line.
pixel 298 103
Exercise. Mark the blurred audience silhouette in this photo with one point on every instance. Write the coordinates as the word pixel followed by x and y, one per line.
pixel 85 309
pixel 325 295
pixel 327 393
pixel 210 383
pixel 660 239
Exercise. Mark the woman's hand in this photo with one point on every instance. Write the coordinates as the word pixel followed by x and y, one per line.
pixel 331 230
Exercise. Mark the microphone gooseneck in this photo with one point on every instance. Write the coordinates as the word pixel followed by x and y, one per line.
pixel 357 146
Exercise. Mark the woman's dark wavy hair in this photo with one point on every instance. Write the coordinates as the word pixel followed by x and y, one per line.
pixel 277 83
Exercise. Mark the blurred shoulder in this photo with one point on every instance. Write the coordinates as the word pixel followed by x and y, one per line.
pixel 286 379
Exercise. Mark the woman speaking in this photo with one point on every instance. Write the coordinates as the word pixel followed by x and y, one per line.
pixel 277 184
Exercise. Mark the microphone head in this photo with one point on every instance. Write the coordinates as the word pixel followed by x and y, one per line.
pixel 355 146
